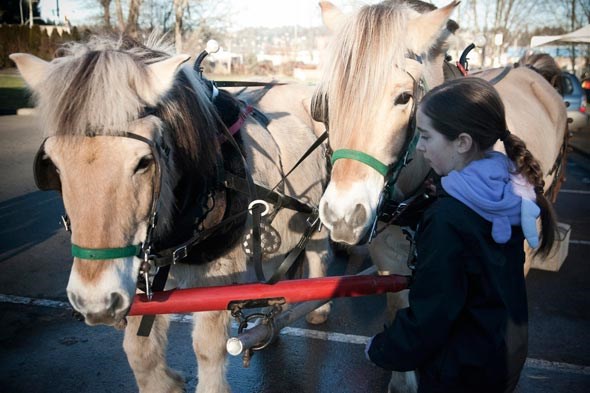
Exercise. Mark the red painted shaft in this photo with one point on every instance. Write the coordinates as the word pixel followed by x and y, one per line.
pixel 180 301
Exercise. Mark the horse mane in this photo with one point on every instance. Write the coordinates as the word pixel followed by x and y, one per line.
pixel 95 88
pixel 545 65
pixel 363 46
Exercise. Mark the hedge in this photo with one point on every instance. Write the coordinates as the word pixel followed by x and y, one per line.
pixel 23 39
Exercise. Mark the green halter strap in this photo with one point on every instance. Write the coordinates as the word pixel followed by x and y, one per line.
pixel 105 253
pixel 361 157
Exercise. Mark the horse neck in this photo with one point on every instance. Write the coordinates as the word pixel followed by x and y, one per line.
pixel 411 177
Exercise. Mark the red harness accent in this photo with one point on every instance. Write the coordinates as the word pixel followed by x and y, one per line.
pixel 241 119
pixel 462 69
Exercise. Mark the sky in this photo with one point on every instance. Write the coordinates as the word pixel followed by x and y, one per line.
pixel 248 13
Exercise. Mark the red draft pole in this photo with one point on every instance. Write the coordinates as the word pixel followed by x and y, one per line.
pixel 181 301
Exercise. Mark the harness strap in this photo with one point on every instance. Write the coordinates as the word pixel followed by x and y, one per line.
pixel 294 254
pixel 558 169
pixel 147 321
pixel 238 184
pixel 501 75
pixel 256 257
pixel 313 146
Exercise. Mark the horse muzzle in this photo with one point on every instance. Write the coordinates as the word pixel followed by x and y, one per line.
pixel 111 311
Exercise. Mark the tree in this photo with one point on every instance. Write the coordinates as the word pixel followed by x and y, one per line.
pixel 179 9
pixel 106 7
pixel 131 25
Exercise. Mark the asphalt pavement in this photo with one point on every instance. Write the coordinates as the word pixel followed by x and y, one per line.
pixel 43 349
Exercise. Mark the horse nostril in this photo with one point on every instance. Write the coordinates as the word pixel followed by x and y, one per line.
pixel 358 216
pixel 116 302
pixel 327 213
pixel 75 301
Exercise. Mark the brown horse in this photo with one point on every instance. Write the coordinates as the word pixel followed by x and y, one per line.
pixel 381 60
pixel 130 133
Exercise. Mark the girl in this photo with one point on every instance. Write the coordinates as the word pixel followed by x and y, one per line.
pixel 466 327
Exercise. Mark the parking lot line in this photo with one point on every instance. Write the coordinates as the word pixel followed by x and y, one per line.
pixel 570 191
pixel 306 333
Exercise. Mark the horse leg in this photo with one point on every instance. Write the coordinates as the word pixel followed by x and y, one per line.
pixel 389 253
pixel 147 357
pixel 210 333
pixel 403 382
pixel 318 258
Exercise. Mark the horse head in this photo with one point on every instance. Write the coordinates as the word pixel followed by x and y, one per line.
pixel 115 150
pixel 367 97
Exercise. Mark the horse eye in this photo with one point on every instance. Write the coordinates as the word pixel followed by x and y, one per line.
pixel 144 163
pixel 402 99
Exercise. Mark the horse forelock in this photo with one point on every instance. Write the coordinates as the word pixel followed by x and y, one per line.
pixel 358 68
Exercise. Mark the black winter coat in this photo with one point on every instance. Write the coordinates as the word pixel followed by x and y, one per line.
pixel 466 327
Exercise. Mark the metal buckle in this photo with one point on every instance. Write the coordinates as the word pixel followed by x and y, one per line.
pixel 313 218
pixel 65 221
pixel 259 202
pixel 179 253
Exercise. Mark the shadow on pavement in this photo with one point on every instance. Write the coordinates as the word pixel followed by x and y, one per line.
pixel 28 220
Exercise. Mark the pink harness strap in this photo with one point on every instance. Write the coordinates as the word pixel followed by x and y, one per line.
pixel 241 119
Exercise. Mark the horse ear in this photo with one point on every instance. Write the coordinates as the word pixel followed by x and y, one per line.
pixel 32 68
pixel 331 15
pixel 163 73
pixel 424 29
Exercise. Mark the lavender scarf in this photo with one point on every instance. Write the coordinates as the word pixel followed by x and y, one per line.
pixel 487 187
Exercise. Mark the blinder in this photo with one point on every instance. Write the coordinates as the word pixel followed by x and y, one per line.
pixel 45 171
pixel 319 109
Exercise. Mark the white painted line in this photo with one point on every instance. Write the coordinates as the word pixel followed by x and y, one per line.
pixel 306 333
pixel 326 336
pixel 569 191
pixel 557 366
pixel 583 242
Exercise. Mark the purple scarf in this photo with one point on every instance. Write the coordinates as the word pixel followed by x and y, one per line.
pixel 486 186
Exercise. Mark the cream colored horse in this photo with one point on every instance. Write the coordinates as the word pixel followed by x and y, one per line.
pixel 366 96
pixel 86 100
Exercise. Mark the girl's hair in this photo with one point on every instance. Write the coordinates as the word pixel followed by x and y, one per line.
pixel 473 106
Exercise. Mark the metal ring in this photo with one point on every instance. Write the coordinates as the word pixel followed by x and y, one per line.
pixel 259 202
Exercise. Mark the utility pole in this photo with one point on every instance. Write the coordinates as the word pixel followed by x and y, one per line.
pixel 31 14
pixel 573 47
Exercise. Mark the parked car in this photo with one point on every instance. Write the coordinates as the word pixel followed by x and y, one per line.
pixel 575 99
pixel 586 85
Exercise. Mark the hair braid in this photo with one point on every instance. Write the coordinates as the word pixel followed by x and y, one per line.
pixel 529 167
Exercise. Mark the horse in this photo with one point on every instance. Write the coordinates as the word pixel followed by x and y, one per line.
pixel 132 133
pixel 380 61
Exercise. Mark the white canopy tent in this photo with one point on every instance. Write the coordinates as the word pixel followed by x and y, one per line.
pixel 580 36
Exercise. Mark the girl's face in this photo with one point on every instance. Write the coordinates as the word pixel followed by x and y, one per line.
pixel 442 154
